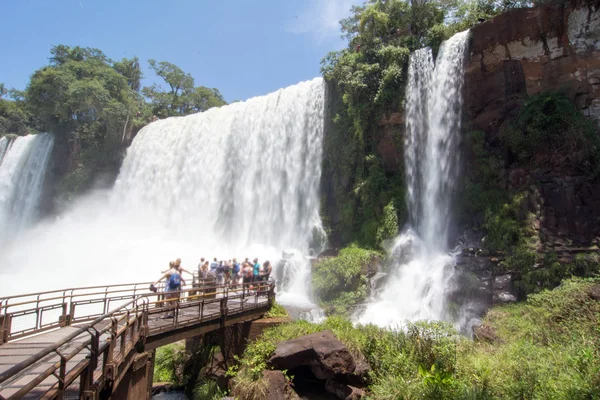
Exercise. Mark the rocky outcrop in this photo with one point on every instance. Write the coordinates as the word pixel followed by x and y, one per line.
pixel 322 358
pixel 322 352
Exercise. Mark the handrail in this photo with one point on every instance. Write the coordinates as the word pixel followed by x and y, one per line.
pixel 111 346
pixel 54 347
pixel 2 299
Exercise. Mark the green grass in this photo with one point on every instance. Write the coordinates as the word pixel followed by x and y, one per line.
pixel 277 311
pixel 545 348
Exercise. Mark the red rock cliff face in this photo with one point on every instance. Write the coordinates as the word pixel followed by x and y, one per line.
pixel 524 52
pixel 527 51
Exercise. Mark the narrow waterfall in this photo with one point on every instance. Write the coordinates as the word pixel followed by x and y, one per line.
pixel 23 164
pixel 237 181
pixel 421 265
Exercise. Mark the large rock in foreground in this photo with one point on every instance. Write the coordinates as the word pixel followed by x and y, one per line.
pixel 328 360
pixel 322 352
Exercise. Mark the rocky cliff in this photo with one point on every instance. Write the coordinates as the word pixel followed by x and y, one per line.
pixel 524 52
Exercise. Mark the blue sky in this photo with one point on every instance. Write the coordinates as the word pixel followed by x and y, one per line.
pixel 244 48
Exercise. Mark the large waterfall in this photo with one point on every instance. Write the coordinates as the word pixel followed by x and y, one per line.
pixel 421 265
pixel 237 181
pixel 23 163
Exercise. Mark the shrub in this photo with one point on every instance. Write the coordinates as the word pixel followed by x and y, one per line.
pixel 277 311
pixel 550 125
pixel 169 363
pixel 340 282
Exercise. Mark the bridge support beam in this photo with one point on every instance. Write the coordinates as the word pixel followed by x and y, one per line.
pixel 137 381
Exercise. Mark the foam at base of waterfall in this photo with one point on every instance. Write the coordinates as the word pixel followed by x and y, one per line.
pixel 413 290
pixel 238 181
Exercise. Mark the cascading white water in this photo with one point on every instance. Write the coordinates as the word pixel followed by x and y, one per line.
pixel 238 181
pixel 23 164
pixel 3 147
pixel 421 265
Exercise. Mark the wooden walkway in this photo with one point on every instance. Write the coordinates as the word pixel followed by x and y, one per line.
pixel 78 360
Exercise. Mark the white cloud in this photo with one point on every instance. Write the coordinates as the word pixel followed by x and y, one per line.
pixel 320 18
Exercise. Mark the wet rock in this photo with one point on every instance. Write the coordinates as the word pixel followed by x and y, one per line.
pixel 503 289
pixel 321 351
pixel 343 391
pixel 376 282
pixel 278 387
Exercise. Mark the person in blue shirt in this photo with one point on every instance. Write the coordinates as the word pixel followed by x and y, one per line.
pixel 213 266
pixel 256 270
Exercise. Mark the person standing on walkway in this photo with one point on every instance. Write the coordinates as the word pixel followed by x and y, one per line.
pixel 172 287
pixel 256 270
pixel 268 268
pixel 247 277
pixel 220 273
pixel 213 266
pixel 235 273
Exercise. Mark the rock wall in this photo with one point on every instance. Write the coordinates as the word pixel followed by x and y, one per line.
pixel 527 51
pixel 524 52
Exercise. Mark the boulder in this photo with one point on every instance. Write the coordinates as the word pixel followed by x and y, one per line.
pixel 343 391
pixel 278 387
pixel 321 351
pixel 503 289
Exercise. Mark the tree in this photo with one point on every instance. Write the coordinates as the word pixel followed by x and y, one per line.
pixel 88 101
pixel 130 69
pixel 182 98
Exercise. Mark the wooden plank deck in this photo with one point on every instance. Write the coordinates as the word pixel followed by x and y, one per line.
pixel 189 314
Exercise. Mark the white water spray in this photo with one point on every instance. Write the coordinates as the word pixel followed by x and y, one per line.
pixel 237 181
pixel 421 263
pixel 23 164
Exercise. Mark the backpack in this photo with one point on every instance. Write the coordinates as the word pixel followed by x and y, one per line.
pixel 236 268
pixel 174 281
pixel 220 269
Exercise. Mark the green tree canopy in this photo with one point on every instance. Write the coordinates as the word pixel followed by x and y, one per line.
pixel 182 97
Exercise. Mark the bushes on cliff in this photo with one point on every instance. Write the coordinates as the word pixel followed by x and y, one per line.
pixel 551 132
pixel 340 282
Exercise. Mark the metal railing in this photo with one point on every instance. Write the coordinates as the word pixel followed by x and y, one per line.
pixel 27 314
pixel 122 317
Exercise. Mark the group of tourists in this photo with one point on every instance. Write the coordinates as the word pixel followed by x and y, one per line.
pixel 226 273
pixel 232 272
pixel 229 273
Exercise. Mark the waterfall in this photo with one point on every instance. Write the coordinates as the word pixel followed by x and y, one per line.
pixel 23 164
pixel 236 181
pixel 234 178
pixel 421 266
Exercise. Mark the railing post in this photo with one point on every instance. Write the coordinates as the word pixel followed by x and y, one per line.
pixel 87 375
pixel 62 372
pixel 5 325
pixel 65 318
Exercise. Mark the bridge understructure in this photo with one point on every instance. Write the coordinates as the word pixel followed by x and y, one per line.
pixel 98 342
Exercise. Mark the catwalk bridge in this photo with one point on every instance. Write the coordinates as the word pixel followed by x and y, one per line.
pixel 97 342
